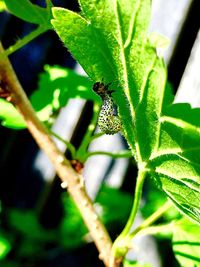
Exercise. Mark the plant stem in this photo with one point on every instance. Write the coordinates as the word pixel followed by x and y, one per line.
pixel 137 197
pixel 152 230
pixel 95 136
pixel 25 40
pixel 154 217
pixel 82 150
pixel 121 244
pixel 71 148
pixel 115 155
pixel 62 166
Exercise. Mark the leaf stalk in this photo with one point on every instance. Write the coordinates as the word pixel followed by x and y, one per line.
pixel 25 40
pixel 121 244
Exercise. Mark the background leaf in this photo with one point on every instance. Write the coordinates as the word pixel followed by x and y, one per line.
pixel 129 263
pixel 56 86
pixel 2 6
pixel 72 228
pixel 115 206
pixel 10 116
pixel 186 243
pixel 112 206
pixel 27 224
pixel 29 12
pixel 4 247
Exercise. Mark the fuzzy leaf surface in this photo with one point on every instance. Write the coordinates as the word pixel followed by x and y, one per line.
pixel 110 41
pixel 101 39
pixel 186 243
pixel 176 164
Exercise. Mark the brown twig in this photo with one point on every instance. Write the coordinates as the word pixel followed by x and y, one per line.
pixel 67 174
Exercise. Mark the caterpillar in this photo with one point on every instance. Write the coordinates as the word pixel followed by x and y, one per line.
pixel 108 122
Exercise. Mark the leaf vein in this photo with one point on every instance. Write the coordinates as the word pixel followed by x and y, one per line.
pixel 132 26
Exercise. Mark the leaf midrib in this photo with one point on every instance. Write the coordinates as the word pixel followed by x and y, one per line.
pixel 122 54
pixel 132 26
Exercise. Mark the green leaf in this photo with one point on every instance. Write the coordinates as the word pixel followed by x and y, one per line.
pixel 29 12
pixel 101 40
pixel 176 164
pixel 72 228
pixel 10 263
pixel 111 42
pixel 179 179
pixel 2 6
pixel 56 86
pixel 186 243
pixel 26 223
pixel 4 247
pixel 149 111
pixel 159 41
pixel 154 200
pixel 114 206
pixel 10 116
pixel 129 263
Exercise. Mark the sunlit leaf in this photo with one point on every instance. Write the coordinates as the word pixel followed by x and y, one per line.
pixel 176 164
pixel 56 86
pixel 2 6
pixel 104 46
pixel 186 243
pixel 10 116
pixel 112 42
pixel 159 41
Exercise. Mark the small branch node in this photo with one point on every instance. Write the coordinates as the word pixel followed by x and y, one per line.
pixel 95 217
pixel 80 181
pixel 101 256
pixel 61 159
pixel 85 203
pixel 64 184
pixel 96 226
